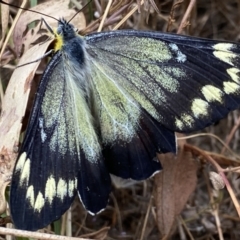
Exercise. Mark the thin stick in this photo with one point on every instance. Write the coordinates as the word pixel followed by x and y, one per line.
pixel 230 136
pixel 69 222
pixel 127 16
pixel 230 191
pixel 104 15
pixel 214 207
pixel 186 15
pixel 214 136
pixel 146 218
pixel 38 235
pixel 186 228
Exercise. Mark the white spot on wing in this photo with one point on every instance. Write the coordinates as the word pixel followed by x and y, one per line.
pixel 180 56
pixel 43 134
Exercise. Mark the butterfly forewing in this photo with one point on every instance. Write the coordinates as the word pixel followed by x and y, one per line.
pixel 60 154
pixel 184 83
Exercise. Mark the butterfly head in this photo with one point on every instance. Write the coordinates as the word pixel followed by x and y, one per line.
pixel 64 32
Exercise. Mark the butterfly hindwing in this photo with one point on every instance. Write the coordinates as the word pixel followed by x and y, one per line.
pixel 60 155
pixel 136 159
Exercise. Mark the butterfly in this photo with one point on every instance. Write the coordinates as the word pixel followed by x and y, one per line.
pixel 106 104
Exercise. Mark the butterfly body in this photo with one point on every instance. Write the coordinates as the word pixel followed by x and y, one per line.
pixel 107 103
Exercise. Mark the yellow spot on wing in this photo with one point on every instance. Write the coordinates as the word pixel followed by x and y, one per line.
pixel 30 195
pixel 39 203
pixel 224 47
pixel 72 185
pixel 179 123
pixel 233 74
pixel 199 107
pixel 185 120
pixel 61 189
pixel 21 161
pixel 212 93
pixel 23 166
pixel 50 189
pixel 230 87
pixel 224 53
pixel 25 173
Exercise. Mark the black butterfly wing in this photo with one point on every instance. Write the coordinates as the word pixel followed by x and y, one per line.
pixel 161 83
pixel 60 155
pixel 143 86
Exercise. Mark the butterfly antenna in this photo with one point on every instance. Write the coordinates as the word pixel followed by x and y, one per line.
pixel 78 11
pixel 12 5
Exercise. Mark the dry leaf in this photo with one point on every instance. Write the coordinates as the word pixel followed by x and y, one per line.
pixel 4 20
pixel 57 9
pixel 174 184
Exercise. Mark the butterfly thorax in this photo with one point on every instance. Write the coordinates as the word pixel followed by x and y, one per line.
pixel 71 46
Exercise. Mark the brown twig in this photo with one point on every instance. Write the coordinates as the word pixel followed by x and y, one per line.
pixel 128 16
pixel 104 15
pixel 214 205
pixel 37 235
pixel 231 134
pixel 146 219
pixel 186 15
pixel 219 169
